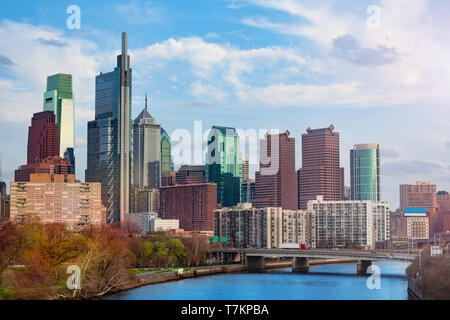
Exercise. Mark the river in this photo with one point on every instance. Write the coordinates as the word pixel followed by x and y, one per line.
pixel 324 282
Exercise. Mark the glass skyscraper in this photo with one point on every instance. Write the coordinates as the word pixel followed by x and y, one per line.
pixel 59 99
pixel 224 164
pixel 166 154
pixel 109 157
pixel 365 172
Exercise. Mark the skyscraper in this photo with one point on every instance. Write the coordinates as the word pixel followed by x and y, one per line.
pixel 166 157
pixel 321 174
pixel 59 99
pixel 223 164
pixel 43 148
pixel 43 139
pixel 276 181
pixel 109 137
pixel 146 151
pixel 365 172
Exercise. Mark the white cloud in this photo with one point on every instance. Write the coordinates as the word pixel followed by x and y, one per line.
pixel 199 89
pixel 35 59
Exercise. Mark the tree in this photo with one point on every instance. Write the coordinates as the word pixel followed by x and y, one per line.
pixel 11 242
pixel 105 264
pixel 176 251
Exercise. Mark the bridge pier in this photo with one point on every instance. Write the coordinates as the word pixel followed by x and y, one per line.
pixel 300 265
pixel 255 264
pixel 361 267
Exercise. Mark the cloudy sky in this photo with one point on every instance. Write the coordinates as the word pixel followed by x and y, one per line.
pixel 262 64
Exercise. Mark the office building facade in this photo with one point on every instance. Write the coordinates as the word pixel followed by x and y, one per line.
pixel 365 172
pixel 192 204
pixel 276 181
pixel 224 164
pixel 146 151
pixel 320 174
pixel 189 174
pixel 59 99
pixel 420 195
pixel 109 158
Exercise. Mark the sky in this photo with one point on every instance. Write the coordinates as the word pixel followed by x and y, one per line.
pixel 378 71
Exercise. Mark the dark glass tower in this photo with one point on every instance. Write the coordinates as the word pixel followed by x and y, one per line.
pixel 109 137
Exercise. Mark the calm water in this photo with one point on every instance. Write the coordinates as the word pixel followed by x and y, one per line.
pixel 326 282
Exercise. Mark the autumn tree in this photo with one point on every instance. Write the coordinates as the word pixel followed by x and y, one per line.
pixel 11 242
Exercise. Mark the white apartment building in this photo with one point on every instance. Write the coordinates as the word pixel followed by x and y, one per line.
pixel 246 226
pixel 350 223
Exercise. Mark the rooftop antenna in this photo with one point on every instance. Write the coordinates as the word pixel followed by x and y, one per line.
pixel 145 102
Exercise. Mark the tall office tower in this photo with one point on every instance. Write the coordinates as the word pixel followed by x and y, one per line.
pixel 43 139
pixel 276 181
pixel 365 172
pixel 192 204
pixel 421 194
pixel 109 137
pixel 166 158
pixel 190 175
pixel 248 190
pixel 55 198
pixel 223 164
pixel 146 151
pixel 245 169
pixel 59 99
pixel 321 174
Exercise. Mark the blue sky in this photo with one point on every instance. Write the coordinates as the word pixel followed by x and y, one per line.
pixel 259 64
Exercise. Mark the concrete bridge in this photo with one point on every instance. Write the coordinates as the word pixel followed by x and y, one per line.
pixel 254 259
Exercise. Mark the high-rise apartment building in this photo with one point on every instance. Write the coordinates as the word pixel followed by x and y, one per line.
pixel 365 172
pixel 58 98
pixel 54 198
pixel 321 174
pixel 146 151
pixel 109 156
pixel 189 174
pixel 421 194
pixel 192 204
pixel 276 181
pixel 246 226
pixel 223 164
pixel 350 223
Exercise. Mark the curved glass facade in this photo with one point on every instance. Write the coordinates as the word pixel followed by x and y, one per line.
pixel 365 172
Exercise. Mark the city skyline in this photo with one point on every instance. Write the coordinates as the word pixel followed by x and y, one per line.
pixel 156 57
